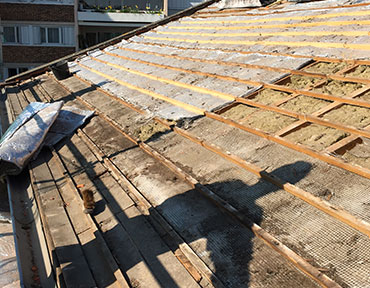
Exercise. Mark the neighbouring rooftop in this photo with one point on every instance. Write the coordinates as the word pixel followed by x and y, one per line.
pixel 229 148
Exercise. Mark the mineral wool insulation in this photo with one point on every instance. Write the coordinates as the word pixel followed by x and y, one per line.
pixel 162 108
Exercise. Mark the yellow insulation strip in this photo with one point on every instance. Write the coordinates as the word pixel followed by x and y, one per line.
pixel 290 33
pixel 269 43
pixel 172 101
pixel 172 82
pixel 278 19
pixel 293 25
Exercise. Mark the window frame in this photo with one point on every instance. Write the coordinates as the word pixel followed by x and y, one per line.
pixel 47 42
pixel 18 70
pixel 31 34
pixel 17 34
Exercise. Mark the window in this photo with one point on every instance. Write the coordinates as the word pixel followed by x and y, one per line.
pixel 17 34
pixel 104 36
pixel 36 35
pixel 11 35
pixel 12 72
pixel 43 35
pixel 22 69
pixel 51 35
pixel 9 72
pixel 16 71
pixel 91 39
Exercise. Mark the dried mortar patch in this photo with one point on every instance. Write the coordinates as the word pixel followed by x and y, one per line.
pixel 148 130
pixel 316 137
pixel 338 88
pixel 326 67
pixel 358 117
pixel 362 71
pixel 302 82
pixel 269 96
pixel 304 104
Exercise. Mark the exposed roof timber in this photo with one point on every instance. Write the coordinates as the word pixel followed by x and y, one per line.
pixel 278 12
pixel 41 69
pixel 316 58
pixel 338 45
pixel 300 148
pixel 303 118
pixel 229 63
pixel 270 240
pixel 262 26
pixel 279 19
pixel 226 96
pixel 317 202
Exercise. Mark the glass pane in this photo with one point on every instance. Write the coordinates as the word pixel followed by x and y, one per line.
pixel 22 69
pixel 104 36
pixel 91 39
pixel 12 72
pixel 18 34
pixel 9 35
pixel 53 35
pixel 43 35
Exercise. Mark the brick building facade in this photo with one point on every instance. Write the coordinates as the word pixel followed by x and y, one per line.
pixel 35 33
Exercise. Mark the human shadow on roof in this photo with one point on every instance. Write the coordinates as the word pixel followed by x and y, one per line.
pixel 226 246
pixel 230 247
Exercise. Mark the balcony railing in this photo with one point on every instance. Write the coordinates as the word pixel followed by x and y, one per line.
pixel 141 7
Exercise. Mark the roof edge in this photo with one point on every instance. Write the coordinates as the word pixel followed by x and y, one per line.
pixel 42 68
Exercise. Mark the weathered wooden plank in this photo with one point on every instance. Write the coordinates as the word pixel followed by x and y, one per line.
pixel 22 100
pixel 118 240
pixel 161 260
pixel 101 262
pixel 77 158
pixel 33 253
pixel 98 260
pixel 30 92
pixel 172 238
pixel 170 272
pixel 76 272
pixel 127 254
pixel 116 198
pixel 52 90
pixel 4 113
pixel 12 99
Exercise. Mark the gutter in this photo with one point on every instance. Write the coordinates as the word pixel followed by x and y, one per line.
pixel 45 67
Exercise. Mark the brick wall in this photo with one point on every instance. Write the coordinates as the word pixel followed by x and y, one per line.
pixel 36 12
pixel 34 54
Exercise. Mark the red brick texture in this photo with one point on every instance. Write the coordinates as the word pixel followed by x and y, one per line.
pixel 34 54
pixel 36 12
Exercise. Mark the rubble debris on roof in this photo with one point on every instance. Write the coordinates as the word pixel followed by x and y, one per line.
pixel 230 148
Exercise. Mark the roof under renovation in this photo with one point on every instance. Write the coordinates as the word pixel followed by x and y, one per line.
pixel 229 148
